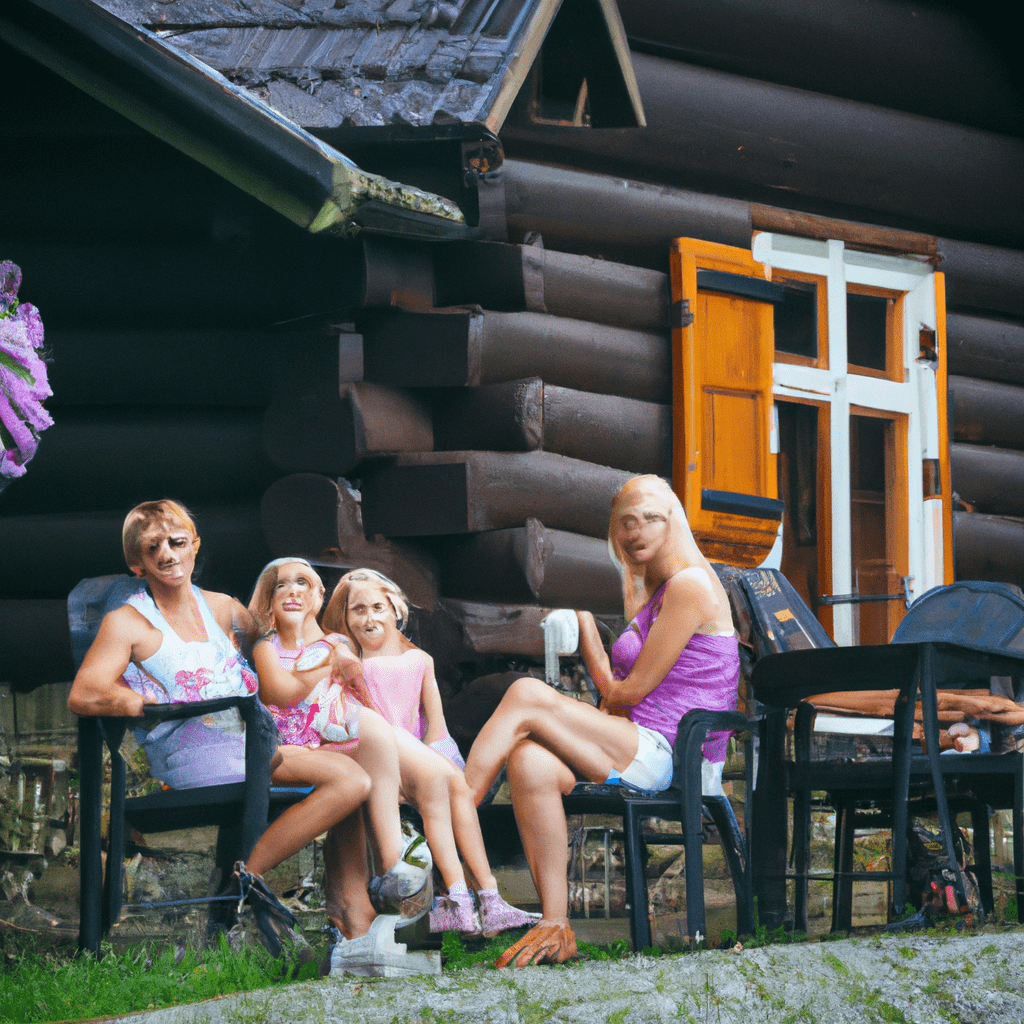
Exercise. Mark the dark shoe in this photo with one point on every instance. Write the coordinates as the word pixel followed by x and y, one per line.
pixel 274 921
pixel 406 889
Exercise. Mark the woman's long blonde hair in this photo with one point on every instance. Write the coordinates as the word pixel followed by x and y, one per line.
pixel 649 493
pixel 335 618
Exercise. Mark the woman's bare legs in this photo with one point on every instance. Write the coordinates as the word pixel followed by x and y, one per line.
pixel 377 754
pixel 537 781
pixel 425 786
pixel 464 822
pixel 589 741
pixel 346 876
pixel 466 828
pixel 340 786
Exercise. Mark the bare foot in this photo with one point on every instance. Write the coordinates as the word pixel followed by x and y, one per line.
pixel 547 942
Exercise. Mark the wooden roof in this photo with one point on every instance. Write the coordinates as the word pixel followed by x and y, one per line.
pixel 329 64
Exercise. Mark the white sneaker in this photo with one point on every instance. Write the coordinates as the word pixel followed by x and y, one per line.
pixel 377 955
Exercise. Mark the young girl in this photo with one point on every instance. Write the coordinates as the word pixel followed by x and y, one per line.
pixel 319 728
pixel 367 607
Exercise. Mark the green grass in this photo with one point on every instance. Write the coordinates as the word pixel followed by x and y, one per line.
pixel 42 984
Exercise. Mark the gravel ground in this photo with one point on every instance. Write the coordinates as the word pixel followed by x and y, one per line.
pixel 892 978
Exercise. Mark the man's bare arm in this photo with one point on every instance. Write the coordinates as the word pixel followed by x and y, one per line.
pixel 98 688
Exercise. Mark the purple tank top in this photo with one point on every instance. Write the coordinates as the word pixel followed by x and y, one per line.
pixel 705 676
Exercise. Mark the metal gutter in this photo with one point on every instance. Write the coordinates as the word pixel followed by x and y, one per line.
pixel 199 112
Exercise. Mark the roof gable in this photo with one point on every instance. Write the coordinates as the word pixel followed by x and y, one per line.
pixel 327 64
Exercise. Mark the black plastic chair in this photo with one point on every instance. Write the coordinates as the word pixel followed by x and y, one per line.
pixel 755 595
pixel 240 809
pixel 682 802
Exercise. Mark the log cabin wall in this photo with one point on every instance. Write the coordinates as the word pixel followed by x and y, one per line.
pixel 173 306
pixel 457 415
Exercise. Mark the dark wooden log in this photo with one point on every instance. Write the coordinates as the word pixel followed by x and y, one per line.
pixel 616 218
pixel 531 564
pixel 635 222
pixel 27 659
pixel 499 629
pixel 822 48
pixel 983 277
pixel 621 432
pixel 119 456
pixel 46 555
pixel 624 433
pixel 233 368
pixel 757 141
pixel 531 277
pixel 317 518
pixel 493 417
pixel 989 548
pixel 461 347
pixel 398 273
pixel 315 429
pixel 165 284
pixel 464 492
pixel 989 479
pixel 866 237
pixel 986 412
pixel 981 347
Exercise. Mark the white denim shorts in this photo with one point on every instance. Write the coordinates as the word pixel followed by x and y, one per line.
pixel 651 769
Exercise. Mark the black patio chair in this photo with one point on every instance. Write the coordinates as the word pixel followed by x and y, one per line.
pixel 240 809
pixel 951 637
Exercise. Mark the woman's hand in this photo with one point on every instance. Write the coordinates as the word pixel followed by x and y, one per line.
pixel 347 671
pixel 595 657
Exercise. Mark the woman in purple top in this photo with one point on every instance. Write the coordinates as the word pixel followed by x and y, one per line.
pixel 678 653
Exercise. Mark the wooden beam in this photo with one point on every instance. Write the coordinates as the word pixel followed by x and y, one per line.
pixel 493 417
pixel 229 368
pixel 45 555
pixel 625 433
pixel 982 347
pixel 117 456
pixel 314 428
pixel 986 412
pixel 498 276
pixel 315 517
pixel 531 565
pixel 27 661
pixel 465 492
pixel 499 629
pixel 989 548
pixel 464 347
pixel 865 237
pixel 989 479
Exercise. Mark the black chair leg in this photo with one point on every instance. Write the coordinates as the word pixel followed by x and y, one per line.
pixel 801 856
pixel 842 880
pixel 636 880
pixel 1018 842
pixel 90 870
pixel 982 857
pixel 113 888
pixel 735 850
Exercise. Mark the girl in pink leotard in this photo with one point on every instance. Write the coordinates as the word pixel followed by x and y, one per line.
pixel 367 607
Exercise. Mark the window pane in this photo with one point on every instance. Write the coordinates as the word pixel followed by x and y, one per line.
pixel 796 320
pixel 865 330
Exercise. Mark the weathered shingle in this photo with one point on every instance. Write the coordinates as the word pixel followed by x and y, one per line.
pixel 409 62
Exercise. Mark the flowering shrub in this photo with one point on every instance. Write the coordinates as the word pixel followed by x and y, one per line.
pixel 23 383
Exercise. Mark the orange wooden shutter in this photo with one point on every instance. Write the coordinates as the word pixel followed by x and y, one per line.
pixel 722 351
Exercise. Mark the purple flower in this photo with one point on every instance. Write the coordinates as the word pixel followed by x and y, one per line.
pixel 23 383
